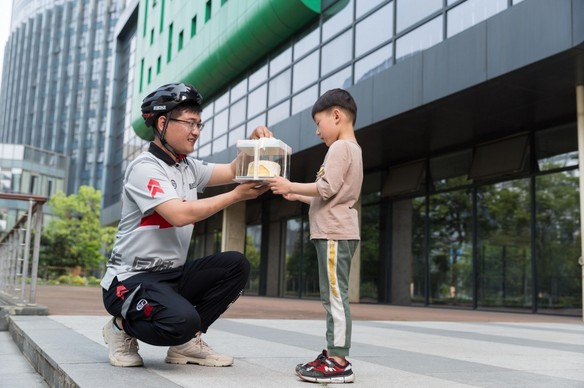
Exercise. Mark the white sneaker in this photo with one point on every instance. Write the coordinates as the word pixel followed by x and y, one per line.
pixel 196 351
pixel 123 349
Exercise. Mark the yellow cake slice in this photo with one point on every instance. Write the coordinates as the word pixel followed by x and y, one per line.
pixel 266 168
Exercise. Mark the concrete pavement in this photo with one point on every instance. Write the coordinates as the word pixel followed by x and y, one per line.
pixel 392 347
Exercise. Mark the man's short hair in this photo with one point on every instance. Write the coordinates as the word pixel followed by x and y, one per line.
pixel 336 98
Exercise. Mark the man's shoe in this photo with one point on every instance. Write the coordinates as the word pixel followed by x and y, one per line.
pixel 196 351
pixel 325 370
pixel 123 349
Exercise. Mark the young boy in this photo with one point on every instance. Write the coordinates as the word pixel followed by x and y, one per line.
pixel 334 228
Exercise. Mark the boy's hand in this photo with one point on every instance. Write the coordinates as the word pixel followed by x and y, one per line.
pixel 279 185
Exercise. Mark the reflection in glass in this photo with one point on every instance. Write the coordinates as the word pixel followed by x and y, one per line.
pixel 362 7
pixel 236 134
pixel 374 63
pixel 410 12
pixel 279 88
pixel 305 72
pixel 557 147
pixel 239 90
pixel 419 39
pixel 374 30
pixel 222 102
pixel 301 265
pixel 280 62
pixel 472 12
pixel 342 79
pixel 258 77
pixel 370 259
pixel 336 53
pixel 279 113
pixel 220 126
pixel 253 241
pixel 338 22
pixel 558 242
pixel 237 113
pixel 220 144
pixel 305 99
pixel 418 230
pixel 504 245
pixel 307 43
pixel 257 101
pixel 450 251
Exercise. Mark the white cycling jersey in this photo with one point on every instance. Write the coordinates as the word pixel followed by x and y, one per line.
pixel 145 241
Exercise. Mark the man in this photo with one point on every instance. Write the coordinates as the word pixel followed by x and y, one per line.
pixel 150 288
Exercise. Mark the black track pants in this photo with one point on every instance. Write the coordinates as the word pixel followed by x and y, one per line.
pixel 167 308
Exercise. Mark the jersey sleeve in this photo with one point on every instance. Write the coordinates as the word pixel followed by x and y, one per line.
pixel 202 171
pixel 148 185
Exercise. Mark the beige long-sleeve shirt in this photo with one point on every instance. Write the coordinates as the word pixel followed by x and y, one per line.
pixel 338 182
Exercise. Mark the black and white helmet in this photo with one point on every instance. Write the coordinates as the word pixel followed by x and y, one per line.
pixel 166 98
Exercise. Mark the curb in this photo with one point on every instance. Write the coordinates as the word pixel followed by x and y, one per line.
pixel 47 343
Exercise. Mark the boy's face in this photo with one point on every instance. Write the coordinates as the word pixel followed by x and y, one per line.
pixel 327 126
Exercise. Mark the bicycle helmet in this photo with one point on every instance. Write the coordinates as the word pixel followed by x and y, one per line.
pixel 166 98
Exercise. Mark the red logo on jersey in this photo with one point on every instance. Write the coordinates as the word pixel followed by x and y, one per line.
pixel 154 188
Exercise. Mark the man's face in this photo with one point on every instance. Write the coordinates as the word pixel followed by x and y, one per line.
pixel 183 131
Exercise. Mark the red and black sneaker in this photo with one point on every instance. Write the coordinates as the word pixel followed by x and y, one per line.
pixel 325 370
pixel 317 361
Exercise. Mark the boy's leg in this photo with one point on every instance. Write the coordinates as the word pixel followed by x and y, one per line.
pixel 334 264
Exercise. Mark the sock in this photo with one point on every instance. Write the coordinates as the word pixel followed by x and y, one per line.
pixel 115 325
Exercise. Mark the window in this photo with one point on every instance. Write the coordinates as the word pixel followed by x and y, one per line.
pixel 305 72
pixel 427 35
pixel 502 157
pixel 169 48
pixel 180 40
pixel 374 63
pixel 158 65
pixel 208 11
pixel 336 53
pixel 194 26
pixel 470 13
pixel 374 30
pixel 410 12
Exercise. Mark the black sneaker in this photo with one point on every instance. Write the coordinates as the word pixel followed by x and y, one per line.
pixel 325 370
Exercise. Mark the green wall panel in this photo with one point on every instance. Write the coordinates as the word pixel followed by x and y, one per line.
pixel 237 35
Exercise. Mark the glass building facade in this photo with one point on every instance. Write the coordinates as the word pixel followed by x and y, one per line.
pixel 55 85
pixel 467 120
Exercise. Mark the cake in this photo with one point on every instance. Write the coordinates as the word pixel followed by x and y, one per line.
pixel 266 168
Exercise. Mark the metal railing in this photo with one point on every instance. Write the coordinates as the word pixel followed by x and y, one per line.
pixel 16 249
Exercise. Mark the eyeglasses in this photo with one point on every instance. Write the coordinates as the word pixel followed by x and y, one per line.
pixel 191 124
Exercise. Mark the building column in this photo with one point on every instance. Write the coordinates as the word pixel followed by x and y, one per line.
pixel 233 236
pixel 355 274
pixel 580 110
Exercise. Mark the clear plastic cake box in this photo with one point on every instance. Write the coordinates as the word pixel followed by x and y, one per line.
pixel 261 159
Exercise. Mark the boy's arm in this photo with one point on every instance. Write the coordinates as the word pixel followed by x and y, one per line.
pixel 293 190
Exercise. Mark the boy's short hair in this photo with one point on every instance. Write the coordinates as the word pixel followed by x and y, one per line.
pixel 336 98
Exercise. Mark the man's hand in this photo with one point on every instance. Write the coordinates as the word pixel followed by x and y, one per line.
pixel 250 190
pixel 259 132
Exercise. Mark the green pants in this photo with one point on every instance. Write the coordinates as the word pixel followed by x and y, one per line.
pixel 334 264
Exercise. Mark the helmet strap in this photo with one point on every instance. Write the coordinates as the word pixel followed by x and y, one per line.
pixel 163 141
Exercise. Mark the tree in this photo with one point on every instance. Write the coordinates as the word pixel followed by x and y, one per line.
pixel 74 236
